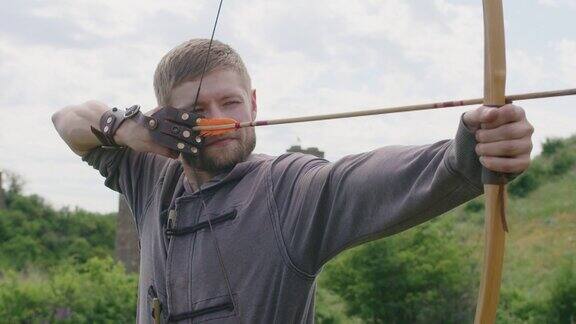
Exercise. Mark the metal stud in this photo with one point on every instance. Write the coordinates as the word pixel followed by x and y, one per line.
pixel 198 139
pixel 109 120
pixel 152 123
pixel 185 116
pixel 194 150
pixel 106 129
pixel 181 146
pixel 198 120
pixel 186 134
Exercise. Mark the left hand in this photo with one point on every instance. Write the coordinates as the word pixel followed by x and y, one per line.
pixel 504 137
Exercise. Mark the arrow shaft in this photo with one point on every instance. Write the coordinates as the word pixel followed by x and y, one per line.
pixel 388 110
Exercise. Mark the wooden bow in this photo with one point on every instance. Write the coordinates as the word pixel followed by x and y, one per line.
pixel 494 184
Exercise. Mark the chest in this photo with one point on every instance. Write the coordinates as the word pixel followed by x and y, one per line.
pixel 208 246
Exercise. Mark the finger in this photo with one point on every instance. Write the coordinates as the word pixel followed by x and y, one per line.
pixel 474 118
pixel 509 148
pixel 504 115
pixel 511 131
pixel 506 165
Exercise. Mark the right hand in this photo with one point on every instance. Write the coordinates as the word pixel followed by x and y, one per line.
pixel 138 138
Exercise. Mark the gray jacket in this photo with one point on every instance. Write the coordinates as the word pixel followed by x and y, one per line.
pixel 278 220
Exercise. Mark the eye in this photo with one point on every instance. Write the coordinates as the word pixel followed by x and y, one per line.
pixel 232 102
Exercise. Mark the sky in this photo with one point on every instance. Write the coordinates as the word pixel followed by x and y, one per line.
pixel 305 57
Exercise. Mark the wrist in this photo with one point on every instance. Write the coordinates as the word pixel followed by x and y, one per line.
pixel 113 120
pixel 121 137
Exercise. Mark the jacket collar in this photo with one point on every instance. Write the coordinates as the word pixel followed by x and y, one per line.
pixel 237 172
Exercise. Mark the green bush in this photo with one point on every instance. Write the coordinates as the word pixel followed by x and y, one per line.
pixel 563 162
pixel 407 279
pixel 551 146
pixel 98 291
pixel 34 234
pixel 562 303
pixel 474 206
pixel 523 185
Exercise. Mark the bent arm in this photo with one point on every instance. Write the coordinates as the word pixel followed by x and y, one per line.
pixel 73 124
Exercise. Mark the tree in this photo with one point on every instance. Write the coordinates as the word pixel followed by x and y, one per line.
pixel 411 278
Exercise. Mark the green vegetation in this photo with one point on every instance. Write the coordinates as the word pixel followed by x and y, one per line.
pixel 96 291
pixel 56 265
pixel 431 273
pixel 406 279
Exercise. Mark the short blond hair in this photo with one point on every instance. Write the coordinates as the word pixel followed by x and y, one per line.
pixel 186 61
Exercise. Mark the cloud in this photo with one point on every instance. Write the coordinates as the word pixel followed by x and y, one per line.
pixel 566 50
pixel 558 3
pixel 305 58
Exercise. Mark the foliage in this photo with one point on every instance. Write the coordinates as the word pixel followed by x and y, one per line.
pixel 562 302
pixel 330 308
pixel 97 291
pixel 558 158
pixel 563 162
pixel 34 234
pixel 551 146
pixel 474 206
pixel 524 184
pixel 411 279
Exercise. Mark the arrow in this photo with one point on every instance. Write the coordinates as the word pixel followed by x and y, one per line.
pixel 214 127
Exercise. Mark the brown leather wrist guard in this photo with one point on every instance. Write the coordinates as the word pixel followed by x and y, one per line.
pixel 172 128
pixel 110 122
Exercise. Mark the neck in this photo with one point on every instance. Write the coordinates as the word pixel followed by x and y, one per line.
pixel 195 176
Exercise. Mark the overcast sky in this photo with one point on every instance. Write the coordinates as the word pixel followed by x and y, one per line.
pixel 305 57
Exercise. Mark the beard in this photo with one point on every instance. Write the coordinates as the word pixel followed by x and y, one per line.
pixel 216 160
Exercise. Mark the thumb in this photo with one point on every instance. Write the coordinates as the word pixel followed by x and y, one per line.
pixel 475 118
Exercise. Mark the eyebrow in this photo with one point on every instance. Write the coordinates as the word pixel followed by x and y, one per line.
pixel 225 97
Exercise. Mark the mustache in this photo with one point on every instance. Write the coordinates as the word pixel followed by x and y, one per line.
pixel 211 140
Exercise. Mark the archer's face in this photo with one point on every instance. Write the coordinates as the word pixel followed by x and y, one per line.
pixel 224 94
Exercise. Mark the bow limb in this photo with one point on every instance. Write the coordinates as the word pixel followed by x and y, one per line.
pixel 494 184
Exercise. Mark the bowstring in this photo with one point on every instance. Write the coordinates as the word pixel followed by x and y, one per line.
pixel 200 192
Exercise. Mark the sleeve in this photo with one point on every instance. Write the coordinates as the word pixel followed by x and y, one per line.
pixel 132 174
pixel 325 208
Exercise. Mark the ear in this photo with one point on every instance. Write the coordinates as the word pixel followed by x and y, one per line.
pixel 254 107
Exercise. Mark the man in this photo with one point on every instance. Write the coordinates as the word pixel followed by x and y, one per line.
pixel 248 245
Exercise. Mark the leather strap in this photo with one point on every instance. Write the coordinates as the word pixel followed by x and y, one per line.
pixel 172 128
pixel 169 127
pixel 111 121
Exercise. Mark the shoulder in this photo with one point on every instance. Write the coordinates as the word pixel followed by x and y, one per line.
pixel 290 166
pixel 291 160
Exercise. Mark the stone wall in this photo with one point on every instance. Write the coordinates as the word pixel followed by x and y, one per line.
pixel 2 194
pixel 127 249
pixel 311 150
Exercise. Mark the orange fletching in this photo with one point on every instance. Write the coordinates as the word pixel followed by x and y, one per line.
pixel 229 122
